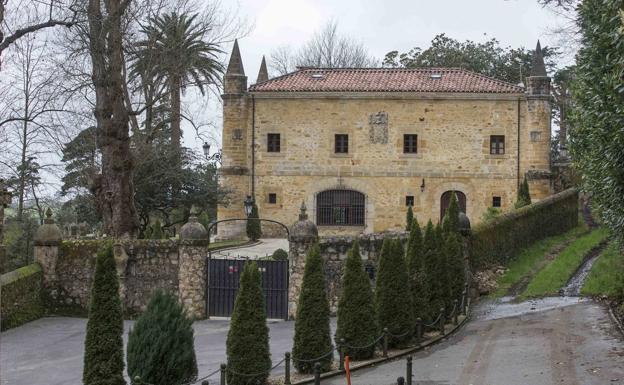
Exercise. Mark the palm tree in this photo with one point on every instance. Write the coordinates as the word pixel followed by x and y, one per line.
pixel 175 56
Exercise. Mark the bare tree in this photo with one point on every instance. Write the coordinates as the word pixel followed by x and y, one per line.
pixel 326 49
pixel 59 12
pixel 114 188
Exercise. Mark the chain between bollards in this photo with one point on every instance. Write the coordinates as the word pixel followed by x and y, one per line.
pixel 222 374
pixel 442 320
pixel 287 368
pixel 408 371
pixel 385 342
pixel 317 373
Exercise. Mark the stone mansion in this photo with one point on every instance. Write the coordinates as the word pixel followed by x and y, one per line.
pixel 358 145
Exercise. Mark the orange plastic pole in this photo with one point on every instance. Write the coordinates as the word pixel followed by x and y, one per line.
pixel 347 370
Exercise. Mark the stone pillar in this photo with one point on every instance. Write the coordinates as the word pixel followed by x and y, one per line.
pixel 192 254
pixel 5 200
pixel 303 235
pixel 121 263
pixel 46 249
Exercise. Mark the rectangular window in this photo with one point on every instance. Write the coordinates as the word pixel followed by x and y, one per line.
pixel 273 142
pixel 409 200
pixel 496 201
pixel 410 145
pixel 497 144
pixel 272 198
pixel 341 144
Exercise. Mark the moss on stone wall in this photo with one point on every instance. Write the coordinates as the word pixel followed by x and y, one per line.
pixel 21 300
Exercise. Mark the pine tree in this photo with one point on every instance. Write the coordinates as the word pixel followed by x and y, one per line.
pixel 254 231
pixel 356 311
pixel 415 269
pixel 160 345
pixel 524 197
pixel 312 332
pixel 393 301
pixel 409 218
pixel 248 339
pixel 103 357
pixel 450 222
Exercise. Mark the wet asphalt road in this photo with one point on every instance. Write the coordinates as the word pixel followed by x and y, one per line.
pixel 552 341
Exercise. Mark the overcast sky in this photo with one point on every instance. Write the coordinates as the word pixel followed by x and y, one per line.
pixel 382 26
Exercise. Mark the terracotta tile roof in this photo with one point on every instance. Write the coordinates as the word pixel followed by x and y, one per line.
pixel 386 80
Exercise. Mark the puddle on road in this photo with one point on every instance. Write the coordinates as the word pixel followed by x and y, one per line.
pixel 504 307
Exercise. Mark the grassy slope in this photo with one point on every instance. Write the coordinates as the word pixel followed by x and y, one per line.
pixel 531 259
pixel 607 274
pixel 555 275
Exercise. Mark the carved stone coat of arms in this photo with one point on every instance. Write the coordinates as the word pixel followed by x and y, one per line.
pixel 378 127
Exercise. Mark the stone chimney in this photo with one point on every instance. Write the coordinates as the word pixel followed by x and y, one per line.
pixel 263 74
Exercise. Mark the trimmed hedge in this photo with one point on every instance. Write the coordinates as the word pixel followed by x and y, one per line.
pixel 498 241
pixel 21 296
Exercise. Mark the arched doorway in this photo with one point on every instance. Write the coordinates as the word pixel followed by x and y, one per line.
pixel 340 208
pixel 445 201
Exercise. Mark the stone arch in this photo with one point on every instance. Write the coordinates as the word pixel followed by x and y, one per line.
pixel 465 188
pixel 445 200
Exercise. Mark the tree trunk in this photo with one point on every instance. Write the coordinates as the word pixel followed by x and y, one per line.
pixel 113 188
pixel 174 89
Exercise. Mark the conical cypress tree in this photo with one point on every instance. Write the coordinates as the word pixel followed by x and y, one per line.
pixel 415 269
pixel 524 197
pixel 247 343
pixel 392 296
pixel 103 357
pixel 431 262
pixel 160 345
pixel 451 217
pixel 409 218
pixel 254 231
pixel 453 251
pixel 442 270
pixel 356 311
pixel 157 232
pixel 312 332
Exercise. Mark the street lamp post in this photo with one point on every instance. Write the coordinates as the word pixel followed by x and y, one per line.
pixel 248 204
pixel 216 157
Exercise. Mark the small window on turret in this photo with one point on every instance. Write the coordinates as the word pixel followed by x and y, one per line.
pixel 536 136
pixel 273 142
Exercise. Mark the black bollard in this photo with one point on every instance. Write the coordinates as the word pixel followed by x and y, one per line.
pixel 408 371
pixel 287 368
pixel 385 342
pixel 223 367
pixel 463 303
pixel 317 373
pixel 455 312
pixel 400 381
pixel 419 329
pixel 442 320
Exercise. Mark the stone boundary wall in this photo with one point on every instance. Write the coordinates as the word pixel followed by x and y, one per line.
pixel 143 266
pixel 21 299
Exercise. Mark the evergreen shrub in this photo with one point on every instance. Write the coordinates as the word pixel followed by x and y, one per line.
pixel 247 342
pixel 393 300
pixel 280 255
pixel 312 333
pixel 356 311
pixel 414 256
pixel 254 230
pixel 103 356
pixel 160 345
pixel 409 218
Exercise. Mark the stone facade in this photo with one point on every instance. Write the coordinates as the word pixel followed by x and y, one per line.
pixel 453 153
pixel 177 266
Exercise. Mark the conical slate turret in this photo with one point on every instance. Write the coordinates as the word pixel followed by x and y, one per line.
pixel 263 74
pixel 538 68
pixel 235 67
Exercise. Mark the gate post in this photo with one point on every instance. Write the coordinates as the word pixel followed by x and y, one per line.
pixel 303 235
pixel 192 251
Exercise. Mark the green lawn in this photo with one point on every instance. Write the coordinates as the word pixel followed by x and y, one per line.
pixel 607 274
pixel 554 276
pixel 531 260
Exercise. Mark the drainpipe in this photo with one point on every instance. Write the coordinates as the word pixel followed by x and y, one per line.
pixel 253 148
pixel 518 163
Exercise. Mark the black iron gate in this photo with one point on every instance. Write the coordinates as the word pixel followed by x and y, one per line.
pixel 223 280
